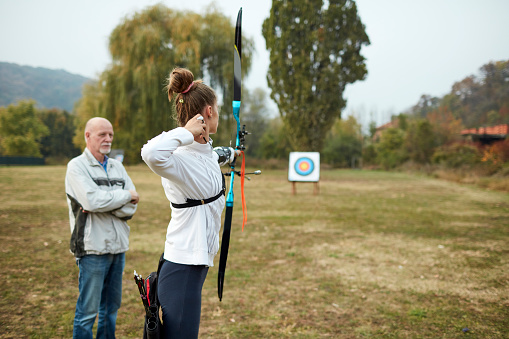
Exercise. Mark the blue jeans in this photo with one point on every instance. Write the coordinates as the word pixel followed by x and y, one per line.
pixel 100 287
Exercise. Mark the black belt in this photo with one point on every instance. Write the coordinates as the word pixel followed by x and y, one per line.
pixel 193 202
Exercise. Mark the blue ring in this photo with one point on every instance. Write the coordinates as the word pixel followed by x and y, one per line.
pixel 308 171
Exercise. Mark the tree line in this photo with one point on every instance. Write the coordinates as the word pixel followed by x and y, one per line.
pixel 425 134
pixel 314 53
pixel 28 131
pixel 429 133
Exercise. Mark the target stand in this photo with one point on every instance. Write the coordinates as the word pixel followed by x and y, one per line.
pixel 304 167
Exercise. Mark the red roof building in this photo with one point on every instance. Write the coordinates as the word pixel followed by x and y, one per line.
pixel 391 124
pixel 487 134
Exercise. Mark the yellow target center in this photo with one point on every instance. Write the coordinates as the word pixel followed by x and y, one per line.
pixel 304 166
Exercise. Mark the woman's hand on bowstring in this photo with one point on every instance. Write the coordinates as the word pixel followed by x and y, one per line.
pixel 197 126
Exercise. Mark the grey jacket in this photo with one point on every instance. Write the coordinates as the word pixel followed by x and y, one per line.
pixel 99 205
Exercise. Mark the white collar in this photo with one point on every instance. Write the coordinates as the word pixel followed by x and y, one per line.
pixel 201 148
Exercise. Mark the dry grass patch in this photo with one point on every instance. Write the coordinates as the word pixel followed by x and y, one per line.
pixel 375 254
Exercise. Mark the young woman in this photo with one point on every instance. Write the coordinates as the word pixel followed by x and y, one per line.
pixel 193 183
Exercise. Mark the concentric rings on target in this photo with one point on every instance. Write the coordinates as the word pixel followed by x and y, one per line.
pixel 304 166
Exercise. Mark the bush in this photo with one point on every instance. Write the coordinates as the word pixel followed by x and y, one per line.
pixel 342 151
pixel 390 150
pixel 369 155
pixel 457 155
pixel 497 153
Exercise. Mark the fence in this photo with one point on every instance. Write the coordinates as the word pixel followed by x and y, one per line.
pixel 6 160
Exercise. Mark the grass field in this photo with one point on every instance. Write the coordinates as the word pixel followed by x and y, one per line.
pixel 375 254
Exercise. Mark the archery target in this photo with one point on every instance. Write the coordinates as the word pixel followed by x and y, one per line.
pixel 304 166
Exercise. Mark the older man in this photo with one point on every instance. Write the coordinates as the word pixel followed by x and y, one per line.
pixel 101 198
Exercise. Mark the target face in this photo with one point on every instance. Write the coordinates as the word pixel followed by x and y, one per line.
pixel 304 166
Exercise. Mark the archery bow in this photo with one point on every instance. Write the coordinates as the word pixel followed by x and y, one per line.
pixel 239 145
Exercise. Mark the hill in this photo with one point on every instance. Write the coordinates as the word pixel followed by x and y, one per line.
pixel 49 88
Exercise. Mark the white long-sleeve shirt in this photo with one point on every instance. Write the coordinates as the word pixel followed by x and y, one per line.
pixel 188 170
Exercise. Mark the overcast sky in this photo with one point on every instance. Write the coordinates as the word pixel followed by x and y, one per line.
pixel 417 46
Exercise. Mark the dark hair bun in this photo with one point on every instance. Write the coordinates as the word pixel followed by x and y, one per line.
pixel 179 81
pixel 189 96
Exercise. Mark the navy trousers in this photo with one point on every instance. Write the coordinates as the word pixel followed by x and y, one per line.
pixel 179 290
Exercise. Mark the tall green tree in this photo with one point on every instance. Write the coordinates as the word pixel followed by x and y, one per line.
pixel 21 130
pixel 145 47
pixel 315 50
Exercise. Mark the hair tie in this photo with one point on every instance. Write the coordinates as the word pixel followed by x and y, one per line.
pixel 187 90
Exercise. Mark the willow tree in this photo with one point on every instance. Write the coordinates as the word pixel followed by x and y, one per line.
pixel 314 50
pixel 88 106
pixel 144 48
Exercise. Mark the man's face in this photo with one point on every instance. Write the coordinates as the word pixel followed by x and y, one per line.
pixel 100 137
